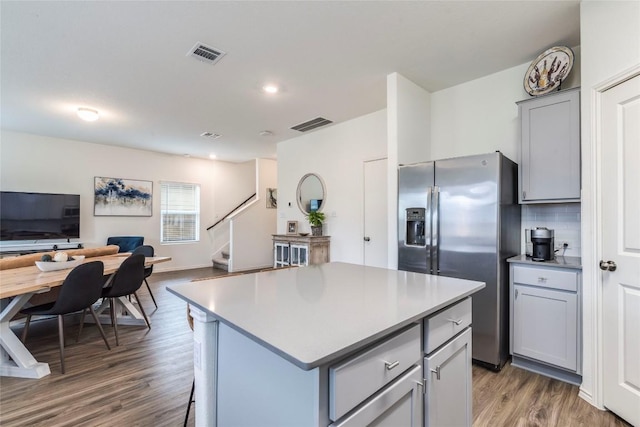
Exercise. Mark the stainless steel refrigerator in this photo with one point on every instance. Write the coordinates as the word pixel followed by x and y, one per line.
pixel 460 218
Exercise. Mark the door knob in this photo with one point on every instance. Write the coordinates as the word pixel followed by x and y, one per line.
pixel 367 239
pixel 608 266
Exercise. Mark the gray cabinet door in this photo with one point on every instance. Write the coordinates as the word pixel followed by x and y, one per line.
pixel 448 374
pixel 545 325
pixel 399 404
pixel 550 142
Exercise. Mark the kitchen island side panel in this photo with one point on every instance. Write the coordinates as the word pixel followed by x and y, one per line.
pixel 256 387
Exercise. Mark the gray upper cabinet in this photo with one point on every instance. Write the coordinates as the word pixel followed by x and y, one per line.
pixel 550 146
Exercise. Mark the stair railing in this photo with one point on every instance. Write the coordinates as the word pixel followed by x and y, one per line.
pixel 233 211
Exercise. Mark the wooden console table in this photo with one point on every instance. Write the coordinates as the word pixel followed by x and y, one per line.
pixel 291 249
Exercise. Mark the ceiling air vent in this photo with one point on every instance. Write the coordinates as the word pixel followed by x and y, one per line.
pixel 206 53
pixel 210 135
pixel 312 124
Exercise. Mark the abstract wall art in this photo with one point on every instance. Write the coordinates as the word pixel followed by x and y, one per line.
pixel 122 197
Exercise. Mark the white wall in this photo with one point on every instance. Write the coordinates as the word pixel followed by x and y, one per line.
pixel 252 244
pixel 336 154
pixel 43 164
pixel 610 39
pixel 481 116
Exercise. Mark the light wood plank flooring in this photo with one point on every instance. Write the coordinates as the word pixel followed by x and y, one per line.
pixel 146 380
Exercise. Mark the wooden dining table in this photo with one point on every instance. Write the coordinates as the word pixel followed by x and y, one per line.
pixel 18 285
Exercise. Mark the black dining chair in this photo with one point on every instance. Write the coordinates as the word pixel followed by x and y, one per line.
pixel 147 251
pixel 126 281
pixel 81 288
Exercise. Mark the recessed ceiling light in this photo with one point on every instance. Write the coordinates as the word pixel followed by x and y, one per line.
pixel 266 133
pixel 213 156
pixel 88 114
pixel 271 89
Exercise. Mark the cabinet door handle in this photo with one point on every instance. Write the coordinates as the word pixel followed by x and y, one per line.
pixel 457 322
pixel 391 365
pixel 516 293
pixel 437 372
pixel 422 385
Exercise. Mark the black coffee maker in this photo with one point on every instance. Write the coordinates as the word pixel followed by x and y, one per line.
pixel 543 244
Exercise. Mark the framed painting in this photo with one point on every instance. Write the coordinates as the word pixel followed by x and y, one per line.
pixel 122 197
pixel 272 198
pixel 292 227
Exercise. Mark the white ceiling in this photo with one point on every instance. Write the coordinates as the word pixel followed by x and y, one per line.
pixel 128 60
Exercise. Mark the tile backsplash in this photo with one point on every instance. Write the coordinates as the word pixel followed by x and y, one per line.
pixel 563 218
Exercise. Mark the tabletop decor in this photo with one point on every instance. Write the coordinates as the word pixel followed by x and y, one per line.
pixel 122 197
pixel 316 218
pixel 292 227
pixel 59 265
pixel 548 70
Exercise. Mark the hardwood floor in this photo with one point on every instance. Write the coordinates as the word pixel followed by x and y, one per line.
pixel 146 380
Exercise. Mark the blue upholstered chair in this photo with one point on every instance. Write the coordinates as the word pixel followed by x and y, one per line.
pixel 126 243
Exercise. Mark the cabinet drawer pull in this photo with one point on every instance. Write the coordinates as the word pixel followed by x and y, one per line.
pixel 457 322
pixel 437 372
pixel 542 279
pixel 391 365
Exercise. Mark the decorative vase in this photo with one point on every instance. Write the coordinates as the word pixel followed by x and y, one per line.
pixel 316 230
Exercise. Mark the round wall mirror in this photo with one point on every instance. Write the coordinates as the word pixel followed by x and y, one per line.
pixel 311 193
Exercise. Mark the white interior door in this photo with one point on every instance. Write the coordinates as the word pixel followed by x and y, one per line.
pixel 620 205
pixel 375 213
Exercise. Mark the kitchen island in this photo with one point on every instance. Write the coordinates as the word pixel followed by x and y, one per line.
pixel 285 347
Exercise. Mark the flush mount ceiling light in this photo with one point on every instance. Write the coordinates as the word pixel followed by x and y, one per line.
pixel 270 88
pixel 88 114
pixel 213 156
pixel 266 133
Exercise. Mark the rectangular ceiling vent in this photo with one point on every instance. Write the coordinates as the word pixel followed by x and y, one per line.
pixel 312 124
pixel 210 135
pixel 206 53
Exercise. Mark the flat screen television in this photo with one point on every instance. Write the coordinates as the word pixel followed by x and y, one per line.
pixel 39 216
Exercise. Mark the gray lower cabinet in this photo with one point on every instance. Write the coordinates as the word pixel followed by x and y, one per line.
pixel 399 404
pixel 447 367
pixel 550 146
pixel 448 374
pixel 545 326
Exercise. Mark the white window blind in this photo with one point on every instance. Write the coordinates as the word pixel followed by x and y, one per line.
pixel 180 212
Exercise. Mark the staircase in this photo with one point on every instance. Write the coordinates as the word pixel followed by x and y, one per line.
pixel 222 263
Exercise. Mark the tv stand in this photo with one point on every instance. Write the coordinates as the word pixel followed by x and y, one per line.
pixel 30 248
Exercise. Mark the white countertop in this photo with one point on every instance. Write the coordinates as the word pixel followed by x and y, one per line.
pixel 314 315
pixel 571 262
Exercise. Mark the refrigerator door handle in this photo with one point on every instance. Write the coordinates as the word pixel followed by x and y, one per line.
pixel 435 230
pixel 427 231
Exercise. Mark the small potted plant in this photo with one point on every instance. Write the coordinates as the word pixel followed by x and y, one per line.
pixel 316 219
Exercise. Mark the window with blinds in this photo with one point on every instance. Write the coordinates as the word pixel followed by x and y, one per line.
pixel 179 212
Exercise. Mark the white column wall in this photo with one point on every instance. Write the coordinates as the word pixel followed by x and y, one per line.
pixel 408 141
pixel 336 154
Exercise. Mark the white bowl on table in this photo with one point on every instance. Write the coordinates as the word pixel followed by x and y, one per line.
pixel 53 265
